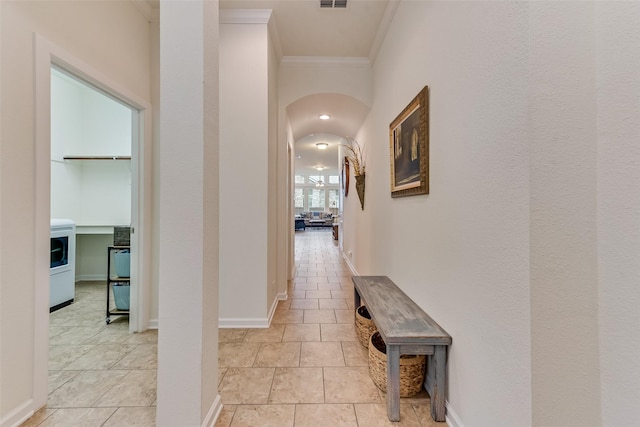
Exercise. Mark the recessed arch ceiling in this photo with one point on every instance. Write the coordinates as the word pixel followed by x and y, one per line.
pixel 347 115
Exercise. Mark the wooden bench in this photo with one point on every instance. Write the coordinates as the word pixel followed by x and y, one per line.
pixel 405 329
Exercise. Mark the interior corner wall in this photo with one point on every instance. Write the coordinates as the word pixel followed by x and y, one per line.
pixel 461 252
pixel 618 122
pixel 244 174
pixel 110 36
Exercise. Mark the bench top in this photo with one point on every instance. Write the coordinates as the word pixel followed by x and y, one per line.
pixel 398 319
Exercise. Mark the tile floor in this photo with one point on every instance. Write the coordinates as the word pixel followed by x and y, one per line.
pixel 99 374
pixel 307 369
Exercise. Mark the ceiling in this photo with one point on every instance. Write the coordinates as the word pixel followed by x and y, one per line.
pixel 304 29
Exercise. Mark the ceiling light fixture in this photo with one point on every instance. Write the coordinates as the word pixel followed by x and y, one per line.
pixel 322 145
pixel 319 168
pixel 324 117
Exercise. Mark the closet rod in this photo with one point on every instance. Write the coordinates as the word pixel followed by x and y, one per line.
pixel 97 157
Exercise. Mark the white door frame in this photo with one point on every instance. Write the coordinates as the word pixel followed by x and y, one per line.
pixel 46 55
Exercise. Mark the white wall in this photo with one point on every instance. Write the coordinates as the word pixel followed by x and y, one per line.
pixel 85 122
pixel 277 217
pixel 526 250
pixel 111 36
pixel 188 237
pixel 91 256
pixel 617 31
pixel 563 176
pixel 461 252
pixel 244 172
pixel 300 77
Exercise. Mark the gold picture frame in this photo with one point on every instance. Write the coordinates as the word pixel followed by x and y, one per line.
pixel 409 148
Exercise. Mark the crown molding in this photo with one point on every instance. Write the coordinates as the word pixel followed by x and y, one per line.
pixel 385 23
pixel 254 16
pixel 149 9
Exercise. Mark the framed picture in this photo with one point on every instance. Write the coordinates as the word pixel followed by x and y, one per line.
pixel 409 148
pixel 345 176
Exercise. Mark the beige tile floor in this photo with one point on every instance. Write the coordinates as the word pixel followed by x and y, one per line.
pixel 307 369
pixel 99 374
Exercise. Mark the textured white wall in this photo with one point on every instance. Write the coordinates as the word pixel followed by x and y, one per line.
pixel 618 128
pixel 462 252
pixel 188 229
pixel 111 36
pixel 563 174
pixel 244 172
pixel 277 216
pixel 526 250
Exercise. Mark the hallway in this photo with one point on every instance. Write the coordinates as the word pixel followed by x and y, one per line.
pixel 308 368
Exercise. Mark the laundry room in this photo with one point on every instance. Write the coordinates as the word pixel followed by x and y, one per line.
pixel 91 140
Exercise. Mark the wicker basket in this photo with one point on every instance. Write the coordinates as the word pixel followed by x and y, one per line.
pixel 364 325
pixel 411 368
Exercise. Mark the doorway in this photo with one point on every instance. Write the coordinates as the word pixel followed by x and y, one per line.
pixel 48 55
pixel 92 184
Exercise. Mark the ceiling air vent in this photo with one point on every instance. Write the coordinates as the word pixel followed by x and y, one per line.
pixel 333 3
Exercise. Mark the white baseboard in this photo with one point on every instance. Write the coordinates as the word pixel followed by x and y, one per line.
pixel 19 415
pixel 350 265
pixel 214 413
pixel 153 323
pixel 247 322
pixel 91 277
pixel 253 322
pixel 453 420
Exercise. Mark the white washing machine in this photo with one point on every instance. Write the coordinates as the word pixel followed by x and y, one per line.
pixel 62 284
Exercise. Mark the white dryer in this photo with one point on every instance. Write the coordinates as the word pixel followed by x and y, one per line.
pixel 62 284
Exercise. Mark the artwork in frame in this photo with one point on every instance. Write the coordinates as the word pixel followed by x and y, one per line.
pixel 409 148
pixel 345 176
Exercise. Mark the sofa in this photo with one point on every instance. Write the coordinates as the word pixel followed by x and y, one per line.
pixel 316 219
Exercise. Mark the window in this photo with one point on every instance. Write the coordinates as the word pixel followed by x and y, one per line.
pixel 334 179
pixel 298 198
pixel 334 198
pixel 316 199
pixel 314 179
pixel 299 179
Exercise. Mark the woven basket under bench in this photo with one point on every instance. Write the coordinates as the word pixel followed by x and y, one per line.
pixel 364 326
pixel 411 368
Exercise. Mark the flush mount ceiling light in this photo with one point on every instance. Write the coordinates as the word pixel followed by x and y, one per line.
pixel 324 117
pixel 322 145
pixel 319 168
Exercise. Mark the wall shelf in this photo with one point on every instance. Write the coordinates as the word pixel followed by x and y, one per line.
pixel 97 157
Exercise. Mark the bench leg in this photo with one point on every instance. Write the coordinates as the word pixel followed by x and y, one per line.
pixel 356 297
pixel 393 382
pixel 437 371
